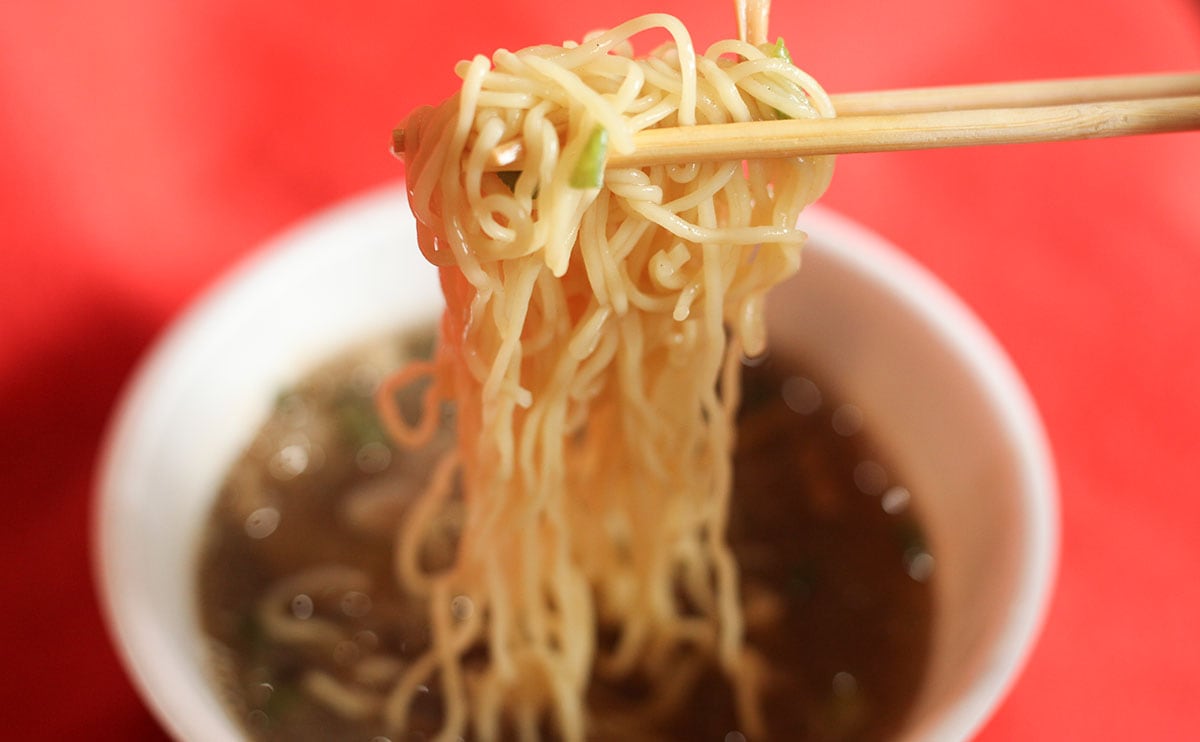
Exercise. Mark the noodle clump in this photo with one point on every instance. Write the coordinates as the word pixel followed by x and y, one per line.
pixel 592 340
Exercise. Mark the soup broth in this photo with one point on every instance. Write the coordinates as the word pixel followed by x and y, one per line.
pixel 309 627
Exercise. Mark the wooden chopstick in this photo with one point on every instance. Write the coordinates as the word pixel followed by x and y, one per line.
pixel 1024 94
pixel 907 131
pixel 927 118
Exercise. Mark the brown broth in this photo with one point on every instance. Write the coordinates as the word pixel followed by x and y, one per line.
pixel 836 587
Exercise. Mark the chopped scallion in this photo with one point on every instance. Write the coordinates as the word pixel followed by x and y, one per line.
pixel 589 170
pixel 779 50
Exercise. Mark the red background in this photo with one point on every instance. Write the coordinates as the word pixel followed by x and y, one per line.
pixel 149 145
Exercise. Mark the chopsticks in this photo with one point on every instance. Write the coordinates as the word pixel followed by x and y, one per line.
pixel 927 118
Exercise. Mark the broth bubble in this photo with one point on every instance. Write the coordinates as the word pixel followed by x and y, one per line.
pixel 895 500
pixel 258 719
pixel 461 607
pixel 356 604
pixel 919 564
pixel 262 522
pixel 801 395
pixel 302 607
pixel 260 693
pixel 844 684
pixel 290 461
pixel 847 420
pixel 373 457
pixel 870 477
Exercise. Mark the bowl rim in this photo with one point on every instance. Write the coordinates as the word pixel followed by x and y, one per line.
pixel 957 327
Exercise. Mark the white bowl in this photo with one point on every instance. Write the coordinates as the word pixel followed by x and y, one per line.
pixel 942 399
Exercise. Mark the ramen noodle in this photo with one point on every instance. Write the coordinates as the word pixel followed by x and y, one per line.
pixel 596 319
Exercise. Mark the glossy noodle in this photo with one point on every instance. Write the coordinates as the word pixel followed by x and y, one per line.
pixel 595 324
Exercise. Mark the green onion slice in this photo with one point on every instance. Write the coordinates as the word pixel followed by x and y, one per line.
pixel 589 169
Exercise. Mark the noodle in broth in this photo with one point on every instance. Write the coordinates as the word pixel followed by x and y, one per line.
pixel 310 629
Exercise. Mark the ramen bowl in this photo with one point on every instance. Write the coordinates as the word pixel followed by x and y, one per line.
pixel 942 398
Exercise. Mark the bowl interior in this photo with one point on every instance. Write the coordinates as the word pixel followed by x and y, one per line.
pixel 945 403
pixel 940 395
